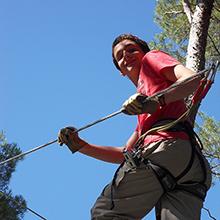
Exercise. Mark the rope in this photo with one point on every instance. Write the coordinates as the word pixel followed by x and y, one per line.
pixel 204 74
pixel 159 128
pixel 162 127
pixel 204 86
pixel 54 141
pixel 201 74
pixel 27 152
pixel 209 213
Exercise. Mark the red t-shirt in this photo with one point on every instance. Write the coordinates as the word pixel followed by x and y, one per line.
pixel 151 80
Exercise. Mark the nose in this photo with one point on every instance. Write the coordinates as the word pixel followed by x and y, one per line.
pixel 126 55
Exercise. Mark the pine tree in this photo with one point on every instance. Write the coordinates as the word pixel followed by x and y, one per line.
pixel 209 132
pixel 11 207
pixel 190 31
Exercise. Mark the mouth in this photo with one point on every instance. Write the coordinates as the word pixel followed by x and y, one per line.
pixel 130 63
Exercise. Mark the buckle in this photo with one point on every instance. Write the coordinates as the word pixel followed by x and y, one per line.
pixel 132 158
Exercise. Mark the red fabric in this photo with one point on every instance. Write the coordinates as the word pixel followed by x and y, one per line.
pixel 151 81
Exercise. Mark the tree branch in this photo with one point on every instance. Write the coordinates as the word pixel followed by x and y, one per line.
pixel 214 44
pixel 214 17
pixel 217 4
pixel 214 167
pixel 187 9
pixel 173 12
pixel 217 9
pixel 216 174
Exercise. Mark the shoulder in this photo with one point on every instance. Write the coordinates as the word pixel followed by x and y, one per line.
pixel 158 60
pixel 159 56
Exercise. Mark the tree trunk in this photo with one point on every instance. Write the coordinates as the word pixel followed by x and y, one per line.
pixel 195 59
pixel 198 35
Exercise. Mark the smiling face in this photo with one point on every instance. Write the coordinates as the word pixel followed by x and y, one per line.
pixel 128 56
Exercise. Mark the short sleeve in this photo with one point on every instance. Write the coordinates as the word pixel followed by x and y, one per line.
pixel 159 60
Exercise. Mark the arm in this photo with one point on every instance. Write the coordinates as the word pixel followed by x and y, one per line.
pixel 178 74
pixel 105 153
pixel 138 104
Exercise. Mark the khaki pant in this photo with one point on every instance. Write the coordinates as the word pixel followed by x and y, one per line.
pixel 136 191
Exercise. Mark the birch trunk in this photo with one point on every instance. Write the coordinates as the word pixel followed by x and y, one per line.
pixel 195 59
pixel 198 35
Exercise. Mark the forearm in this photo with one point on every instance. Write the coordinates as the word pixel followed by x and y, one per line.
pixel 182 90
pixel 105 153
pixel 187 82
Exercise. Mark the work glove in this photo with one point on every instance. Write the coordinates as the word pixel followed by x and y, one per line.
pixel 139 104
pixel 69 137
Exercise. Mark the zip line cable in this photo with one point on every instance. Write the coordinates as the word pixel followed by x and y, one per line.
pixel 202 74
pixel 29 209
pixel 27 152
pixel 54 141
pixel 200 93
pixel 35 213
pixel 209 213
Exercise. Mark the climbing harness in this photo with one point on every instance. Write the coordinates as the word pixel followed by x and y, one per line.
pixel 166 179
pixel 208 76
pixel 168 182
pixel 200 74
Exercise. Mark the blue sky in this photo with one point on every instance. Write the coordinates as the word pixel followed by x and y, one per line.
pixel 56 70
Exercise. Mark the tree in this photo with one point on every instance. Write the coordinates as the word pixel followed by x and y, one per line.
pixel 209 131
pixel 191 33
pixel 11 207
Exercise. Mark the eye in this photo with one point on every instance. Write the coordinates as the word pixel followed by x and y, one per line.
pixel 119 56
pixel 131 50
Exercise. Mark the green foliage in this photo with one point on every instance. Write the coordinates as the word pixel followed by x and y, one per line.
pixel 175 29
pixel 213 41
pixel 11 207
pixel 174 38
pixel 209 132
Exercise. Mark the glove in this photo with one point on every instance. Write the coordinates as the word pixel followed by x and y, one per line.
pixel 139 104
pixel 69 137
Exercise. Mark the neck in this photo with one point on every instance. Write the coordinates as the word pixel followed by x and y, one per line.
pixel 134 80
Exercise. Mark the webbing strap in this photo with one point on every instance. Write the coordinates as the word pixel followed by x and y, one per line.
pixel 166 179
pixel 169 182
pixel 198 189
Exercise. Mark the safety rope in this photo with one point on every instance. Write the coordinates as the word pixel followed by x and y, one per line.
pixel 206 86
pixel 22 206
pixel 27 152
pixel 209 213
pixel 208 76
pixel 202 74
pixel 54 141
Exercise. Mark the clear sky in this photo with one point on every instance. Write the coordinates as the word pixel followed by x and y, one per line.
pixel 56 70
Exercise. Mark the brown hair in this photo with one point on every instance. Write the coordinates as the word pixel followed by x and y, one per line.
pixel 142 44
